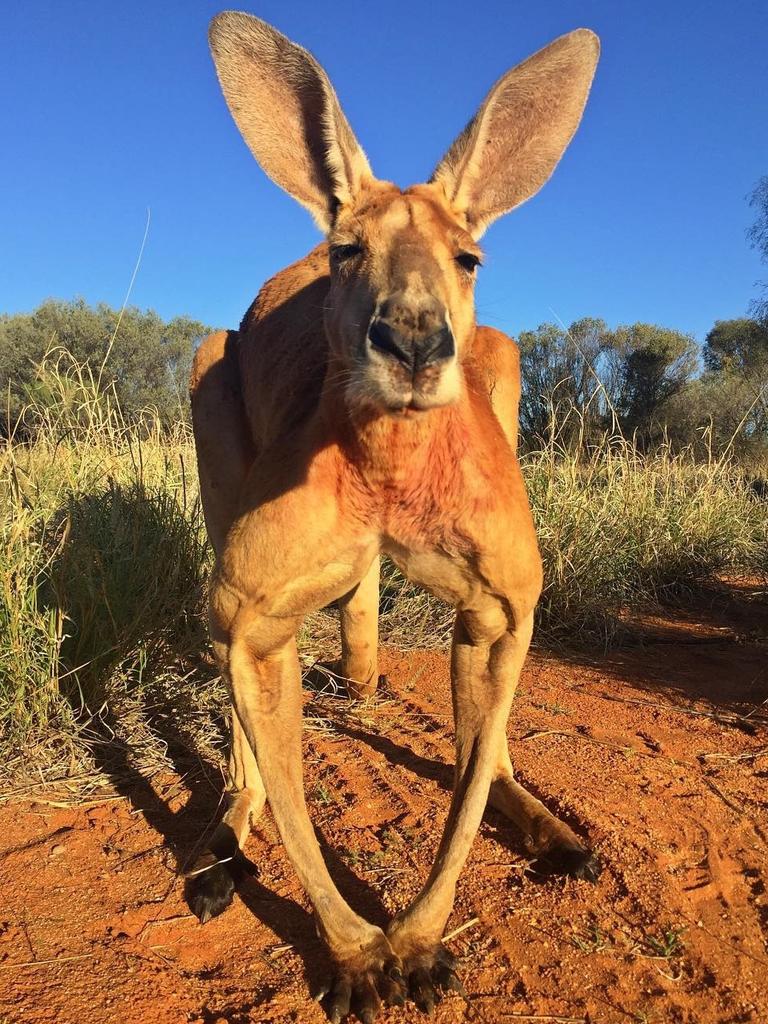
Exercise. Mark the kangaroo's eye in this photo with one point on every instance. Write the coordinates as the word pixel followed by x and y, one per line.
pixel 468 261
pixel 342 253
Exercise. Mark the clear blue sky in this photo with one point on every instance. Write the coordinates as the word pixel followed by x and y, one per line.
pixel 109 108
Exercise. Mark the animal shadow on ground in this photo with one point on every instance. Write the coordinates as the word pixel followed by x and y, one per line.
pixel 709 645
pixel 130 576
pixel 503 830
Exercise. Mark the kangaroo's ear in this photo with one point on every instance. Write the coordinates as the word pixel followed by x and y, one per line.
pixel 287 112
pixel 514 142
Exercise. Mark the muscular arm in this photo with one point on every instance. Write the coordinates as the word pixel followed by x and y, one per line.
pixel 498 359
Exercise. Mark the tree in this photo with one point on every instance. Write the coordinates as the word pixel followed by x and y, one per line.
pixel 558 368
pixel 737 346
pixel 758 237
pixel 654 364
pixel 735 384
pixel 148 363
pixel 606 378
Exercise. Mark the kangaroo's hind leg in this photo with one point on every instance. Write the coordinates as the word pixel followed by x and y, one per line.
pixel 557 848
pixel 225 453
pixel 359 617
pixel 553 842
pixel 358 666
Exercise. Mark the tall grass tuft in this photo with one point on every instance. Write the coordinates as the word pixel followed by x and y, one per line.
pixel 103 559
pixel 620 531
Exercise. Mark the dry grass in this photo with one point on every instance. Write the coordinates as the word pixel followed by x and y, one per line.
pixel 621 532
pixel 103 569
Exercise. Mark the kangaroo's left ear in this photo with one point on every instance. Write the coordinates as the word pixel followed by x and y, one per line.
pixel 514 142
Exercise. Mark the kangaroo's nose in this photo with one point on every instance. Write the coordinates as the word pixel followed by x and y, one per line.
pixel 414 353
pixel 416 339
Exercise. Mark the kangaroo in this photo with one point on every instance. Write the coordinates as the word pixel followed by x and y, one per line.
pixel 358 411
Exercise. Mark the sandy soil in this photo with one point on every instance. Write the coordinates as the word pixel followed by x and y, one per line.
pixel 94 928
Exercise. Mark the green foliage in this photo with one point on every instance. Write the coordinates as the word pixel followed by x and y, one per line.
pixel 737 346
pixel 581 381
pixel 655 364
pixel 558 368
pixel 620 531
pixel 726 409
pixel 102 554
pixel 128 575
pixel 643 381
pixel 148 364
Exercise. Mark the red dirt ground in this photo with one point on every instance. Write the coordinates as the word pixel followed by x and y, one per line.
pixel 94 928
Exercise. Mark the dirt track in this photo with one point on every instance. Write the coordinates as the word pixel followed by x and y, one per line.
pixel 676 929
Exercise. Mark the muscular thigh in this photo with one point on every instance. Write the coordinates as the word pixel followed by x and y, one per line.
pixel 295 546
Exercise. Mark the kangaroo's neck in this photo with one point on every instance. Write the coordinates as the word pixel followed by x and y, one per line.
pixel 396 450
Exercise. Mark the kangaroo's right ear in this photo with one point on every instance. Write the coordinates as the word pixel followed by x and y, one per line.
pixel 287 112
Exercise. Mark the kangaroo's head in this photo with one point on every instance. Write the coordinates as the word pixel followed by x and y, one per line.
pixel 403 263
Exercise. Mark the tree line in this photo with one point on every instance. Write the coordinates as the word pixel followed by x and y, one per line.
pixel 652 383
pixel 148 364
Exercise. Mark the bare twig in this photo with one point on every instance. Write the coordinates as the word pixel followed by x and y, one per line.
pixel 729 718
pixel 537 733
pixel 43 963
pixel 164 920
pixel 462 928
pixel 726 799
pixel 279 950
pixel 544 1016
pixel 752 756
pixel 214 864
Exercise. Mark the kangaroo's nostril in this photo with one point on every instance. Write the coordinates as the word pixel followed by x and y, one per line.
pixel 438 346
pixel 385 339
